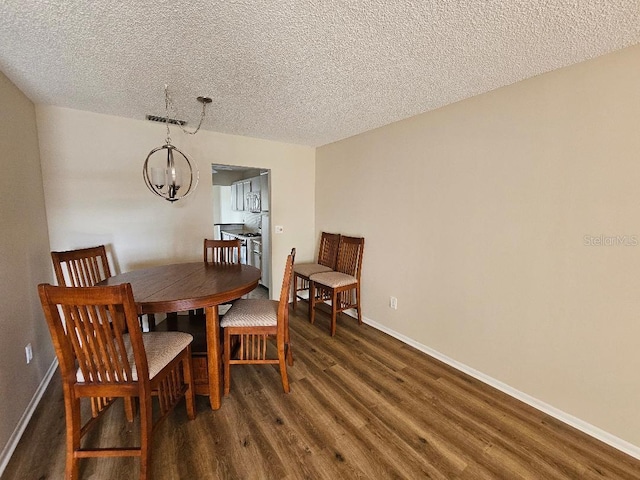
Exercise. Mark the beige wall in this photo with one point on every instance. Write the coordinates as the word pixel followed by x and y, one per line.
pixel 24 262
pixel 475 218
pixel 92 169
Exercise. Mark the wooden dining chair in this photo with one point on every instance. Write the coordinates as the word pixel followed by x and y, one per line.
pixel 85 267
pixel 251 323
pixel 327 256
pixel 222 251
pixel 99 361
pixel 342 286
pixel 215 252
pixel 81 268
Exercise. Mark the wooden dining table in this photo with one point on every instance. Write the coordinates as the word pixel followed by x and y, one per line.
pixel 189 286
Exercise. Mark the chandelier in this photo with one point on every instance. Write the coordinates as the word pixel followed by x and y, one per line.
pixel 167 171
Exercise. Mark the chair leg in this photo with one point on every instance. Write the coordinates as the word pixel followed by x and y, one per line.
pixel 358 304
pixel 146 427
pixel 227 359
pixel 151 321
pixel 172 321
pixel 334 311
pixel 312 302
pixel 190 396
pixel 289 355
pixel 283 368
pixel 287 345
pixel 294 287
pixel 72 412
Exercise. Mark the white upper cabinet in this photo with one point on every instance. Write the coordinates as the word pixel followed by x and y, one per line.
pixel 255 184
pixel 245 195
pixel 234 197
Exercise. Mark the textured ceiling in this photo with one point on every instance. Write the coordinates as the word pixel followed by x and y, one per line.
pixel 307 71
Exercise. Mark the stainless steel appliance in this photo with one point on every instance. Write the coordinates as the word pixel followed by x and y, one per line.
pixel 252 202
pixel 246 244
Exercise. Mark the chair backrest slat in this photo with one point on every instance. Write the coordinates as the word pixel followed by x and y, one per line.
pixel 328 251
pixel 84 267
pixel 222 251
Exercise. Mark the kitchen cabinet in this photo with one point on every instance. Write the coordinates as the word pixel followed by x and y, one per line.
pixel 258 201
pixel 242 192
pixel 238 196
pixel 255 184
pixel 234 197
pixel 239 192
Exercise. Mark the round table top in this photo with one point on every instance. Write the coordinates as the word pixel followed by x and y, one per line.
pixel 187 286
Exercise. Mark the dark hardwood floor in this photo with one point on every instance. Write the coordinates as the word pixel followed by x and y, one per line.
pixel 362 405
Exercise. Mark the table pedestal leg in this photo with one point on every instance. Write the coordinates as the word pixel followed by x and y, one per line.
pixel 213 356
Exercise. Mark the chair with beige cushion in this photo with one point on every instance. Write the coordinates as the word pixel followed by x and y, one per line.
pixel 342 286
pixel 327 255
pixel 250 323
pixel 85 267
pixel 97 360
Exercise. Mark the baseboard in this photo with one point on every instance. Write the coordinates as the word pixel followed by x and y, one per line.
pixel 591 430
pixel 11 445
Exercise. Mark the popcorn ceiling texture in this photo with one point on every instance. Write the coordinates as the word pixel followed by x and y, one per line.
pixel 299 71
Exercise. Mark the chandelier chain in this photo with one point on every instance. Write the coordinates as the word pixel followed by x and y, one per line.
pixel 166 118
pixel 170 106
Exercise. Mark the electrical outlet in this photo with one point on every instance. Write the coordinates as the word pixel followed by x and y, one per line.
pixel 393 303
pixel 28 351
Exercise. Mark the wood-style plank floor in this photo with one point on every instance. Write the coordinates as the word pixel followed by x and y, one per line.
pixel 362 405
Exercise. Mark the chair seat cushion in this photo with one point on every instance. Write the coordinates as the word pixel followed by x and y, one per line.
pixel 308 269
pixel 251 313
pixel 160 347
pixel 333 279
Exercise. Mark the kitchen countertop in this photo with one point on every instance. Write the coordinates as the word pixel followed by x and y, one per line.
pixel 241 234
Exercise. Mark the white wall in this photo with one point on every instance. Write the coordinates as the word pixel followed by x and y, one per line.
pixel 92 169
pixel 24 262
pixel 475 218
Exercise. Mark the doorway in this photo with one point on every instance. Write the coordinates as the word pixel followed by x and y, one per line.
pixel 241 209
